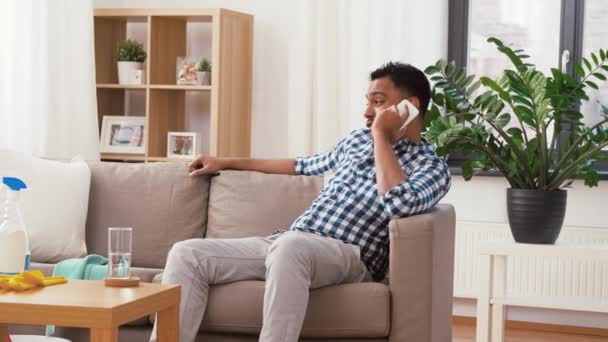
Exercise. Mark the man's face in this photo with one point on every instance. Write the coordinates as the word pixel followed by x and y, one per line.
pixel 381 94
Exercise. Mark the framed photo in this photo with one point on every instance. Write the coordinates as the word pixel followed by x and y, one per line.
pixel 183 145
pixel 186 71
pixel 123 134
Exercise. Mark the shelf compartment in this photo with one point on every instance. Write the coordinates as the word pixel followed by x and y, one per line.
pixel 172 37
pixel 167 111
pixel 121 101
pixel 109 33
pixel 168 40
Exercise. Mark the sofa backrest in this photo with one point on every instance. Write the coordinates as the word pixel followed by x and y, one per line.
pixel 244 204
pixel 159 200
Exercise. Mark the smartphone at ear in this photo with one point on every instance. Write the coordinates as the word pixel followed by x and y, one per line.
pixel 413 111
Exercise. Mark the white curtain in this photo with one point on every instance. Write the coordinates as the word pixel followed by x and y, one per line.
pixel 335 45
pixel 47 79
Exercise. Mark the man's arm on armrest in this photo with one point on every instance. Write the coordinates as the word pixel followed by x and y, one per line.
pixel 207 165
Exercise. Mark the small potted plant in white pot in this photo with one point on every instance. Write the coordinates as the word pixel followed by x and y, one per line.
pixel 130 56
pixel 204 72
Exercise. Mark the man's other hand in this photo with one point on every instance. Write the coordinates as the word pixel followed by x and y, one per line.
pixel 204 165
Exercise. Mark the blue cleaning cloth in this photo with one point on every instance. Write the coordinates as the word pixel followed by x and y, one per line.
pixel 91 267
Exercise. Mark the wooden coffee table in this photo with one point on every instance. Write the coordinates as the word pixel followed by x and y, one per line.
pixel 90 304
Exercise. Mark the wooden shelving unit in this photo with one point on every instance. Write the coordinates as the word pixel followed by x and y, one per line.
pixel 221 112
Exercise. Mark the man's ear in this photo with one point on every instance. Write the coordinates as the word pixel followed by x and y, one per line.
pixel 415 101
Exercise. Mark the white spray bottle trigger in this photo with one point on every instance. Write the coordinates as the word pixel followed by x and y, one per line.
pixel 413 111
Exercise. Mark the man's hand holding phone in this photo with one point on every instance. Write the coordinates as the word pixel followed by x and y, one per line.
pixel 391 122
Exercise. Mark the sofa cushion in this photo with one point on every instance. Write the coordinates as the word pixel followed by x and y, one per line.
pixel 54 205
pixel 159 200
pixel 244 203
pixel 349 310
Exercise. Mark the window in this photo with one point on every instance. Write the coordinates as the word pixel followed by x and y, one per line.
pixel 533 25
pixel 544 28
pixel 595 36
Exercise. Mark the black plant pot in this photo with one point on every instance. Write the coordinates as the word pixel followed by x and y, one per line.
pixel 536 216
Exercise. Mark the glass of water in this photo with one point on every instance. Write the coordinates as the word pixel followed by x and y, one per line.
pixel 119 252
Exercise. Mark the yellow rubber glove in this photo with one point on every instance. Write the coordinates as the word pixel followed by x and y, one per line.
pixel 27 280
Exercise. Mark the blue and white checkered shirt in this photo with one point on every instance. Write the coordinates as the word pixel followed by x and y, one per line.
pixel 349 208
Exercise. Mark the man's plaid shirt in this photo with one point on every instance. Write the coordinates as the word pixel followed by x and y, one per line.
pixel 349 208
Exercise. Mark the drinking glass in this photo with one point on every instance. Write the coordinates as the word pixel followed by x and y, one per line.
pixel 119 252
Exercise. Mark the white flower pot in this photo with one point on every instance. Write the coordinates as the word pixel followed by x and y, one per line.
pixel 125 70
pixel 203 77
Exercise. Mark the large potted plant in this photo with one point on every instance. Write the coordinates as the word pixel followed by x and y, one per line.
pixel 526 125
pixel 130 56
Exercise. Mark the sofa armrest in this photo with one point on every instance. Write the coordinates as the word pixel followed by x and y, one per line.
pixel 421 276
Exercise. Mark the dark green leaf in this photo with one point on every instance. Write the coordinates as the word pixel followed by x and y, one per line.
pixel 431 70
pixel 460 75
pixel 488 82
pixel 441 64
pixel 497 107
pixel 587 64
pixel 503 120
pixel 467 81
pixel 590 176
pixel 439 99
pixel 605 67
pixel 449 70
pixel 579 70
pixel 591 84
pixel 602 54
pixel 525 115
pixel 490 116
pixel 495 41
pixel 516 134
pixel 473 88
pixel 594 57
pixel 430 116
pixel 599 76
pixel 481 98
pixel 467 169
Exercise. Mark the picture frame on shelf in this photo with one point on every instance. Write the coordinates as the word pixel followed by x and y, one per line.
pixel 186 71
pixel 183 145
pixel 123 134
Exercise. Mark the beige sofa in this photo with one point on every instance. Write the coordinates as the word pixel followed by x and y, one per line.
pixel 164 205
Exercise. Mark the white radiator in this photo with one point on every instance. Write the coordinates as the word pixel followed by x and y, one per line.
pixel 531 275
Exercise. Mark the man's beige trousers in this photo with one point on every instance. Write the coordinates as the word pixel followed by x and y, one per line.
pixel 291 263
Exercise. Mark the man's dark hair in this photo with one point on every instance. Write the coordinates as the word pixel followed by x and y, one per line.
pixel 408 79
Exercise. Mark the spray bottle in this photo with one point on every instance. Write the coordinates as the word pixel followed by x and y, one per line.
pixel 14 246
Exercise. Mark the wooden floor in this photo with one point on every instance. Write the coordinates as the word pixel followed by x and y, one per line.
pixel 466 333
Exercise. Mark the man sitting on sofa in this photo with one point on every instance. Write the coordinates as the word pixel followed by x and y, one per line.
pixel 380 173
